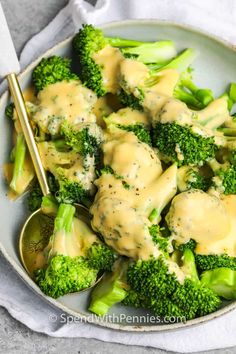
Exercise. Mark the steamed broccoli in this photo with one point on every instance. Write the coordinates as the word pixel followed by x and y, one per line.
pixel 193 178
pixel 222 281
pixel 228 179
pixel 19 160
pixel 186 91
pixel 129 100
pixel 110 290
pixel 9 110
pixel 90 41
pixel 166 295
pixel 191 245
pixel 100 256
pixel 35 197
pixel 51 70
pixel 182 144
pixel 140 130
pixel 67 270
pixel 162 242
pixel 70 191
pixel 225 176
pixel 64 274
pixel 212 261
pixel 82 138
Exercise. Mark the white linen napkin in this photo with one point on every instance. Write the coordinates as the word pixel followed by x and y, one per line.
pixel 215 16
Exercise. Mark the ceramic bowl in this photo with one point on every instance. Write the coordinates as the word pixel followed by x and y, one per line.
pixel 215 67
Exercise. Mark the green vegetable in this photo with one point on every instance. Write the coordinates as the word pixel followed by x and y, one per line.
pixel 90 40
pixel 163 243
pixel 212 261
pixel 166 295
pixel 222 281
pixel 157 52
pixel 9 110
pixel 35 198
pixel 52 70
pixel 100 256
pixel 194 148
pixel 69 191
pixel 110 290
pixel 140 130
pixel 65 273
pixel 20 154
pixel 83 140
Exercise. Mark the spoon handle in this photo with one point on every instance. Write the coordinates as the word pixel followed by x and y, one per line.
pixel 27 131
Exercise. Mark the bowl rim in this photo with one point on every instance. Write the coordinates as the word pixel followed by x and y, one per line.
pixel 24 275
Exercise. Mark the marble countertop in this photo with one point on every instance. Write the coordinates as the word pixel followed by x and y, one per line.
pixel 15 337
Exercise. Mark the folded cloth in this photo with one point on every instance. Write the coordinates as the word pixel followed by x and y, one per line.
pixel 215 16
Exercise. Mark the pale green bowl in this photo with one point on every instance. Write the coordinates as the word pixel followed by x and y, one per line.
pixel 214 68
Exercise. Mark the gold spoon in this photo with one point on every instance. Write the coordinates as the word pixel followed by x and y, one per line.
pixel 38 228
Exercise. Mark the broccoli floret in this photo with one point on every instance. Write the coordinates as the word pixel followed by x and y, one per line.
pixel 225 176
pixel 191 245
pixel 65 275
pixel 163 243
pixel 134 95
pixel 167 296
pixel 134 299
pixel 222 281
pixel 228 179
pixel 89 41
pixel 186 91
pixel 35 197
pixel 140 130
pixel 129 100
pixel 70 191
pixel 67 270
pixel 9 110
pixel 109 170
pixel 84 139
pixel 197 181
pixel 182 145
pixel 110 290
pixel 212 261
pixel 51 70
pixel 100 256
pixel 193 178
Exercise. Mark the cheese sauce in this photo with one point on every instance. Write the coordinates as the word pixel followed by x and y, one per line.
pixel 210 221
pixel 121 213
pixel 64 100
pixel 109 59
pixel 77 243
pixel 128 116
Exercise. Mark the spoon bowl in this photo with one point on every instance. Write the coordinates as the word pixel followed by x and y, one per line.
pixel 35 235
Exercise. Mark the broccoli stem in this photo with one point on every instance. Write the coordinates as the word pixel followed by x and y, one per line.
pixel 182 61
pixel 122 42
pixel 49 205
pixel 20 153
pixel 222 281
pixel 154 215
pixel 189 265
pixel 158 52
pixel 110 290
pixel 228 132
pixel 64 218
